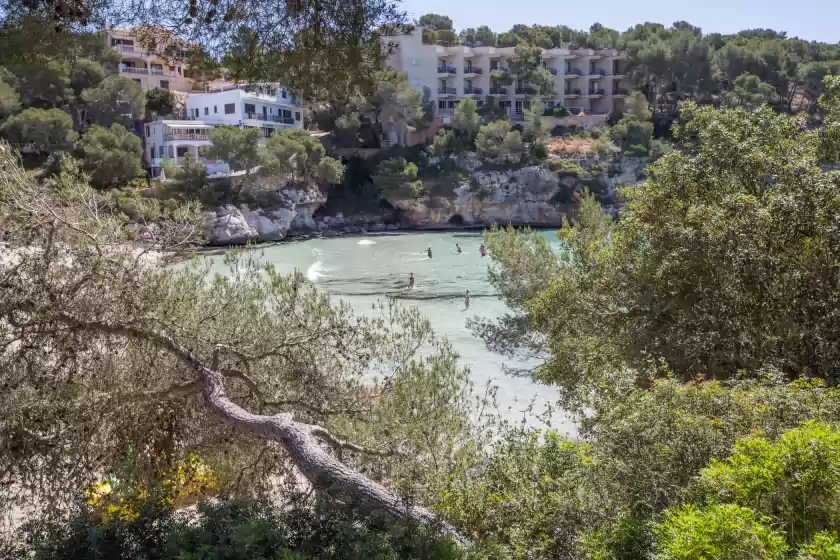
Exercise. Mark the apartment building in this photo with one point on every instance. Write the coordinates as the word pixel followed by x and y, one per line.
pixel 148 69
pixel 267 108
pixel 586 81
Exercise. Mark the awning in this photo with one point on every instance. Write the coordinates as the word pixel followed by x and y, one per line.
pixel 196 125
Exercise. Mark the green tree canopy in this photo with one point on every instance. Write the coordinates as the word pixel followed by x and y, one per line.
pixel 490 141
pixel 9 100
pixel 116 100
pixel 435 21
pixel 112 156
pixel 396 178
pixel 160 104
pixel 40 130
pixel 302 158
pixel 466 119
pixel 239 148
pixel 681 268
pixel 750 92
pixel 85 74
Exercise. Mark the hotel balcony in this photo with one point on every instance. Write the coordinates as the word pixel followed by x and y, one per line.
pixel 446 70
pixel 573 73
pixel 269 118
pixel 473 70
pixel 553 71
pixel 187 136
pixel 133 70
pixel 572 93
pixel 473 91
pixel 498 91
pixel 446 91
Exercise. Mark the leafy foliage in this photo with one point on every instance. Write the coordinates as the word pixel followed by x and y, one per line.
pixel 40 130
pixel 728 532
pixel 397 179
pixel 111 155
pixel 302 158
pixel 234 529
pixel 116 100
pixel 693 309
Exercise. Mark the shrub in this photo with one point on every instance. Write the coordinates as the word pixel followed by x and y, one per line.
pixel 233 529
pixel 722 532
pixel 565 167
pixel 795 480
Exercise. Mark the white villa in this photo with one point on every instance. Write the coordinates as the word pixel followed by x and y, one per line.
pixel 268 108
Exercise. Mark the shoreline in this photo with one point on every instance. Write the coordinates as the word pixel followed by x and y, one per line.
pixel 333 234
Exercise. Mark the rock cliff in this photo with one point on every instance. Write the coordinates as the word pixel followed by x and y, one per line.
pixel 526 196
pixel 237 225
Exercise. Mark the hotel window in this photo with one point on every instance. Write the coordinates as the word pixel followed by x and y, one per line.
pixel 206 111
pixel 230 108
pixel 215 109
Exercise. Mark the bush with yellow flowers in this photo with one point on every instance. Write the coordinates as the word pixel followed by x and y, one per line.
pixel 187 482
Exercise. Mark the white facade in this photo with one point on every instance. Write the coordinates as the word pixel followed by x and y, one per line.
pixel 148 69
pixel 175 140
pixel 586 81
pixel 267 107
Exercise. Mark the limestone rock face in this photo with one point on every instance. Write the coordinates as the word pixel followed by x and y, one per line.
pixel 529 195
pixel 232 225
pixel 227 226
pixel 519 196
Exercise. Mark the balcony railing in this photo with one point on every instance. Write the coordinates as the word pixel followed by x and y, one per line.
pixel 621 91
pixel 446 91
pixel 473 91
pixel 572 92
pixel 597 91
pixel 597 72
pixel 573 72
pixel 446 70
pixel 133 70
pixel 498 67
pixel 553 71
pixel 185 136
pixel 269 118
pixel 498 91
pixel 473 70
pixel 526 91
pixel 130 49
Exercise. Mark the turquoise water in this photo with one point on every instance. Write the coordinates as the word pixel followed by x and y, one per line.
pixel 362 270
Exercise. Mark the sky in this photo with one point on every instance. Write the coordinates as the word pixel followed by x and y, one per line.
pixel 814 20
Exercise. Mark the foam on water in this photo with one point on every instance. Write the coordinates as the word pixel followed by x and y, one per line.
pixel 366 242
pixel 316 272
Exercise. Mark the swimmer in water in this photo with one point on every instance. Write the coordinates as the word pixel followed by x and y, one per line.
pixel 429 252
pixel 467 300
pixel 459 248
pixel 411 281
pixel 482 250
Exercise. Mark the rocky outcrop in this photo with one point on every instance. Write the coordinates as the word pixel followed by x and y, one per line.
pixel 237 225
pixel 520 196
pixel 530 195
